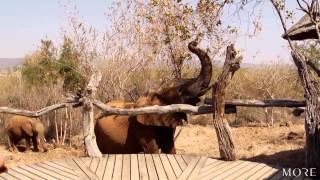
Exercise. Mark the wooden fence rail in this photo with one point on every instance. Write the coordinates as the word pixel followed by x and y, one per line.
pixel 203 109
pixel 88 112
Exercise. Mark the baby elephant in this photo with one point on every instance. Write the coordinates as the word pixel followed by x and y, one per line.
pixel 21 127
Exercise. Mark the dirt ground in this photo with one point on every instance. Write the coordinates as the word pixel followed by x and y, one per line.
pixel 278 146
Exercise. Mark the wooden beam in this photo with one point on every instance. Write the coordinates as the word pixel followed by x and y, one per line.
pixel 262 103
pixel 88 115
pixel 152 109
pixel 35 113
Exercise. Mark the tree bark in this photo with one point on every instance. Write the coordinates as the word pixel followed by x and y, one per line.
pixel 34 113
pixel 312 112
pixel 88 116
pixel 269 116
pixel 223 130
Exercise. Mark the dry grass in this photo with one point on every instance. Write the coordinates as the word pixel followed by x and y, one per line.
pixel 29 157
pixel 261 144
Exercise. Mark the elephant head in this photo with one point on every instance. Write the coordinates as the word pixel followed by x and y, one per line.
pixel 38 131
pixel 183 91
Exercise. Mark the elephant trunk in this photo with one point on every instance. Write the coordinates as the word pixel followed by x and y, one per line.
pixel 200 84
pixel 43 144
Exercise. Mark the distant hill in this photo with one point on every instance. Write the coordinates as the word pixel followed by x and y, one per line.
pixel 8 63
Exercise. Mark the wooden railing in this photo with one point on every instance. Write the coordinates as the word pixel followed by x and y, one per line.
pixel 88 112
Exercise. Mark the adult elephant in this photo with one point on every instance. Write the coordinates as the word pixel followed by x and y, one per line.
pixel 150 133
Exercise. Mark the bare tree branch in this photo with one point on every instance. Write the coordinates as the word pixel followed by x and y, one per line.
pixel 34 113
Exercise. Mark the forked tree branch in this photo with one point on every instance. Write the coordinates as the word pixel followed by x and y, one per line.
pixel 35 113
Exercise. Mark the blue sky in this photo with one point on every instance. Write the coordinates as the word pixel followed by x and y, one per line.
pixel 24 23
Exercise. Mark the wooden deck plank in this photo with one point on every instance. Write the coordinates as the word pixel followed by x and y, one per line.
pixel 180 161
pixel 159 167
pixel 167 166
pixel 251 171
pixel 91 175
pixel 215 172
pixel 7 176
pixel 205 169
pixel 63 164
pixel 37 172
pixel 94 164
pixel 260 173
pixel 126 165
pixel 143 171
pixel 109 167
pixel 196 170
pixel 188 158
pixel 87 160
pixel 134 167
pixel 71 163
pixel 269 174
pixel 58 171
pixel 101 166
pixel 117 172
pixel 209 161
pixel 49 163
pixel 26 173
pixel 191 166
pixel 48 172
pixel 242 170
pixel 151 167
pixel 213 167
pixel 17 174
pixel 233 170
pixel 145 166
pixel 175 166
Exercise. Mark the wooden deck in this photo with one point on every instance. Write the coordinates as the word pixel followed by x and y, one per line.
pixel 143 167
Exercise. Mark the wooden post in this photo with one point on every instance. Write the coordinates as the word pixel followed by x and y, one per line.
pixel 88 116
pixel 223 130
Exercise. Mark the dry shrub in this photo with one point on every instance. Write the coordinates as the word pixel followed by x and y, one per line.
pixel 15 93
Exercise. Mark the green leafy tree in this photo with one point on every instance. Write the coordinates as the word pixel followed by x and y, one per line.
pixel 46 67
pixel 70 67
pixel 40 67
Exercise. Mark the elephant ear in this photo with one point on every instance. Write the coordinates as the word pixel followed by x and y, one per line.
pixel 27 128
pixel 167 120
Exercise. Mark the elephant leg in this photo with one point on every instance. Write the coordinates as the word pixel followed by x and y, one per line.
pixel 147 139
pixel 35 144
pixel 12 144
pixel 165 139
pixel 42 144
pixel 27 143
pixel 149 147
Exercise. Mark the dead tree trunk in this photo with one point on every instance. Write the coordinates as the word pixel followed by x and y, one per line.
pixel 268 111
pixel 312 116
pixel 88 117
pixel 226 144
